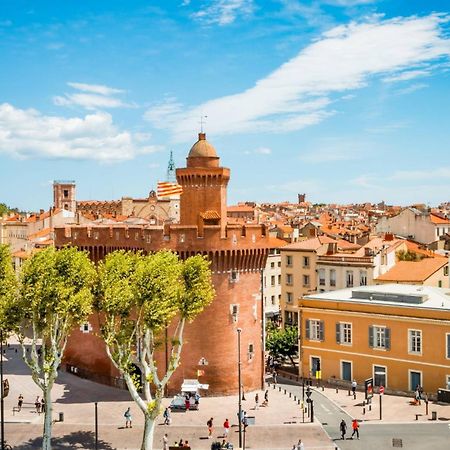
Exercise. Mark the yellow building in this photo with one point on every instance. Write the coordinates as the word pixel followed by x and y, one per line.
pixel 396 333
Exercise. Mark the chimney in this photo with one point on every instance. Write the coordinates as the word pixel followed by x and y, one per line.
pixel 388 237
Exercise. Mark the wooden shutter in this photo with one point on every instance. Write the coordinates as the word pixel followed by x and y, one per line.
pixel 307 329
pixel 338 333
pixel 322 331
pixel 448 345
pixel 387 338
pixel 371 337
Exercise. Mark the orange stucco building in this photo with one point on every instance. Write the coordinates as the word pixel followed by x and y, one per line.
pixel 397 334
pixel 237 253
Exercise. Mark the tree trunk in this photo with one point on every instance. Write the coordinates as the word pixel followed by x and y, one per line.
pixel 47 436
pixel 149 429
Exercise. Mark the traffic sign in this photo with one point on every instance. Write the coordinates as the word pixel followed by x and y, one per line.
pixel 381 390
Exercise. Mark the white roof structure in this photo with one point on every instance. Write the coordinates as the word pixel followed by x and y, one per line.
pixel 193 386
pixel 406 295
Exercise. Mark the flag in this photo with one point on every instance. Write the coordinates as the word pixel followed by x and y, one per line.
pixel 200 373
pixel 166 189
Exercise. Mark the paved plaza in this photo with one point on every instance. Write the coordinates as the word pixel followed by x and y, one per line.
pixel 277 426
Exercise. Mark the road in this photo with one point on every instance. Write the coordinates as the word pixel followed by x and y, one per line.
pixel 373 435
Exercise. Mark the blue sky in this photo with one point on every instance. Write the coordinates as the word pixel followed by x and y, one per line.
pixel 344 100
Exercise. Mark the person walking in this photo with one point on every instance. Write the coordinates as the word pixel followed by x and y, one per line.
pixel 226 428
pixel 166 416
pixel 266 398
pixel 20 402
pixel 274 376
pixel 165 442
pixel 343 428
pixel 355 428
pixel 128 419
pixel 300 445
pixel 256 401
pixel 354 385
pixel 37 404
pixel 42 405
pixel 209 424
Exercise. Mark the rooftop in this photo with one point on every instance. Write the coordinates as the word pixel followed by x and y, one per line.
pixel 413 271
pixel 391 294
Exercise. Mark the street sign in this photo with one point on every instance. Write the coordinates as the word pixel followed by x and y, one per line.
pixel 368 384
pixel 381 390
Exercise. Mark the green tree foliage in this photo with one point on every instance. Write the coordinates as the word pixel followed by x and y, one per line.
pixel 407 255
pixel 283 343
pixel 9 316
pixel 55 295
pixel 140 299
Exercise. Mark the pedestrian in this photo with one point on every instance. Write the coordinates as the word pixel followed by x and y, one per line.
pixel 20 402
pixel 186 444
pixel 166 415
pixel 417 396
pixel 209 424
pixel 187 403
pixel 165 442
pixel 300 445
pixel 37 404
pixel 128 418
pixel 180 444
pixel 355 428
pixel 354 384
pixel 274 376
pixel 226 428
pixel 343 428
pixel 42 405
pixel 256 401
pixel 266 398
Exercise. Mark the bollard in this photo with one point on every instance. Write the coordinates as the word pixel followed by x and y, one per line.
pixel 298 401
pixel 323 388
pixel 290 394
pixel 279 389
pixel 370 406
pixel 274 386
pixel 364 410
pixel 337 390
pixel 354 396
pixel 349 392
pixel 284 391
pixel 295 398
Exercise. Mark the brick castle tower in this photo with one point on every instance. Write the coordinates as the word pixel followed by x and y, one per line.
pixel 237 253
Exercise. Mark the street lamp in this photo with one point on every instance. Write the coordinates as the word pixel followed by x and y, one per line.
pixel 239 330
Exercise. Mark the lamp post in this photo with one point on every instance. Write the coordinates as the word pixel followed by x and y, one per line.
pixel 239 330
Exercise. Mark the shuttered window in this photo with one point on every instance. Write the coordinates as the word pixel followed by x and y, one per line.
pixel 315 330
pixel 380 337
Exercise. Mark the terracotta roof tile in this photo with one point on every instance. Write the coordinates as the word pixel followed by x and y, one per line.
pixel 413 271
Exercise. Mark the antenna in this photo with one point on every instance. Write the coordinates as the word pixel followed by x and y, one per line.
pixel 202 122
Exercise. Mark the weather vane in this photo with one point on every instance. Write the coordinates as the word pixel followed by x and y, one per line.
pixel 202 122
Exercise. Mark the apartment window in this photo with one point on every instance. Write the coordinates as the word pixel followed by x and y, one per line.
pixel 315 330
pixel 66 193
pixel 344 333
pixel 447 337
pixel 380 337
pixel 445 271
pixel 272 280
pixel 321 277
pixel 414 341
pixel 272 265
pixel 349 278
pixel 251 351
pixel 448 381
pixel 279 279
pixel 289 279
pixel 363 278
pixel 272 299
pixel 332 277
pixel 289 297
pixel 306 261
pixel 279 263
pixel 305 280
pixel 289 260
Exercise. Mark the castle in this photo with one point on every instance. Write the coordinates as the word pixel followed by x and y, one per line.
pixel 238 255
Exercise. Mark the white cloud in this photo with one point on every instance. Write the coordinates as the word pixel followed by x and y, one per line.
pixel 407 75
pixel 346 3
pixel 416 175
pixel 28 133
pixel 412 88
pixel 92 96
pixel 259 151
pixel 296 95
pixel 223 12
